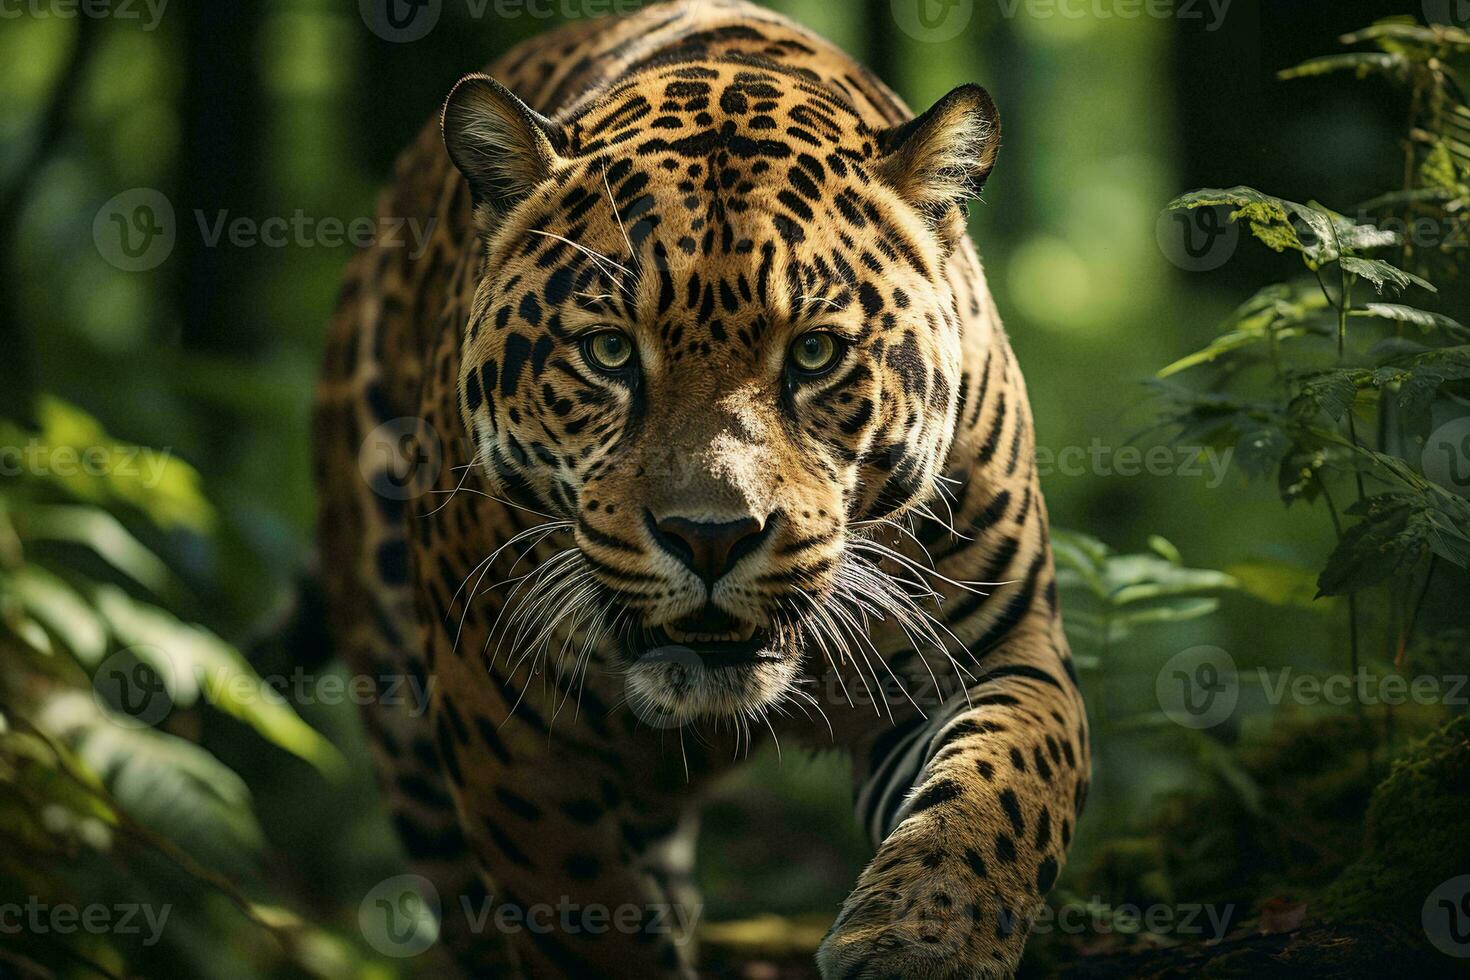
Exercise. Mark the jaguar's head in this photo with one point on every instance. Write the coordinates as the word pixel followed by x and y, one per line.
pixel 715 341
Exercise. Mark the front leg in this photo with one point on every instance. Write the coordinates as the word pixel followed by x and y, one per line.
pixel 580 879
pixel 974 808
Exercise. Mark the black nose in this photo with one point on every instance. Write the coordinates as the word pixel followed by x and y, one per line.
pixel 711 550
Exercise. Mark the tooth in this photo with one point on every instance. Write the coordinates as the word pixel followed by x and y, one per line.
pixel 746 632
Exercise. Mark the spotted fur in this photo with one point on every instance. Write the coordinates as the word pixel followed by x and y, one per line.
pixel 716 183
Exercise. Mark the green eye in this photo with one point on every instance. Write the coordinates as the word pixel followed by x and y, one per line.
pixel 815 352
pixel 610 350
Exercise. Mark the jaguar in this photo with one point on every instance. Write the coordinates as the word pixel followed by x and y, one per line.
pixel 692 427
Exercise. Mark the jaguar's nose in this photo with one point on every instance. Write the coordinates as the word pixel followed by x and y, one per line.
pixel 710 549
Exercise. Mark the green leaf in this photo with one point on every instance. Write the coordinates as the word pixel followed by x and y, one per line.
pixel 1320 234
pixel 170 785
pixel 1279 312
pixel 1278 223
pixel 192 661
pixel 1219 347
pixel 1277 582
pixel 1165 549
pixel 1406 31
pixel 1148 578
pixel 1363 63
pixel 1438 172
pixel 1423 379
pixel 1418 379
pixel 1175 611
pixel 1258 433
pixel 1232 343
pixel 1425 320
pixel 31 633
pixel 105 470
pixel 68 616
pixel 1082 556
pixel 1331 393
pixel 1396 532
pixel 103 534
pixel 1121 592
pixel 1354 236
pixel 1384 277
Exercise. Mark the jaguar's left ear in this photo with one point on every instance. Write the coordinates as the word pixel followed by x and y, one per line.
pixel 941 159
pixel 504 148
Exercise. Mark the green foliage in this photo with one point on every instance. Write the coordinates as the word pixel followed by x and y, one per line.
pixel 1419 59
pixel 1327 391
pixel 1110 595
pixel 1320 235
pixel 82 595
pixel 107 472
pixel 1331 381
pixel 1397 532
pixel 1279 312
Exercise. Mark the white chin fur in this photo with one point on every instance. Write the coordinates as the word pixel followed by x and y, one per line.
pixel 670 693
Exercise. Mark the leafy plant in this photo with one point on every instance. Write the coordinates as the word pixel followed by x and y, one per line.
pixel 1109 598
pixel 1109 595
pixel 1332 380
pixel 83 784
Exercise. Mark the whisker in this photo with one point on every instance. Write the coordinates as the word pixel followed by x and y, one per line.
pixel 824 619
pixel 821 299
pixel 597 257
pixel 805 696
pixel 916 623
pixel 887 552
pixel 614 204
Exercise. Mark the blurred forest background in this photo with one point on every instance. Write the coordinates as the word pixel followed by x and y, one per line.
pixel 263 834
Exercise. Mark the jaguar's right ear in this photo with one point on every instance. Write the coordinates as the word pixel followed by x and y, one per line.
pixel 504 148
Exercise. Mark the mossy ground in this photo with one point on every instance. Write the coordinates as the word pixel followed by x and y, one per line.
pixel 1417 833
pixel 1317 833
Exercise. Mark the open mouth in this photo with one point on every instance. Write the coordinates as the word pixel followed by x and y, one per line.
pixel 715 638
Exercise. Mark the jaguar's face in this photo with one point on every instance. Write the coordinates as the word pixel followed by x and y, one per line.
pixel 714 342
